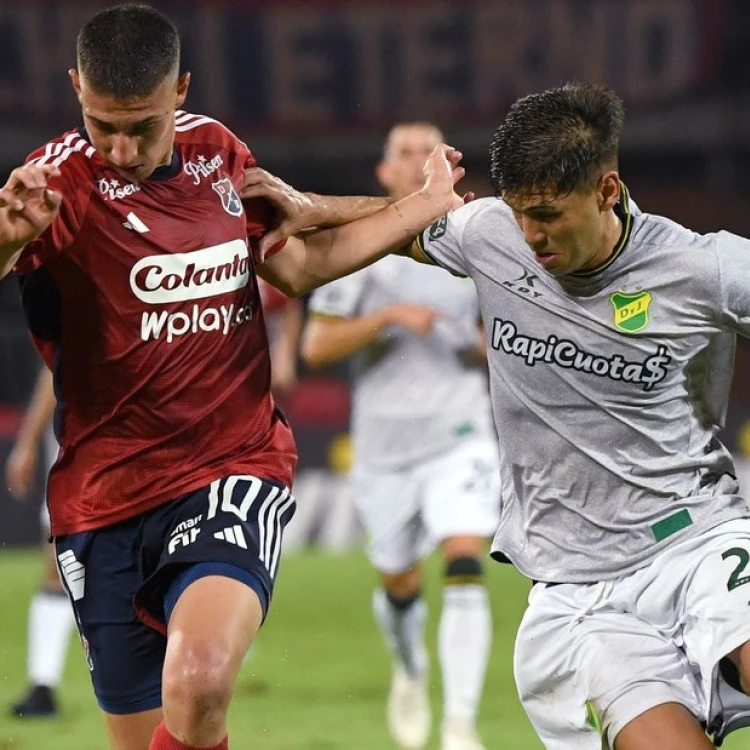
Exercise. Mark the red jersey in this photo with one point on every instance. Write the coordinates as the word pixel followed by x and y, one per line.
pixel 143 300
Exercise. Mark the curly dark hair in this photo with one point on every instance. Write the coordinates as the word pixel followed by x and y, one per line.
pixel 557 140
pixel 126 51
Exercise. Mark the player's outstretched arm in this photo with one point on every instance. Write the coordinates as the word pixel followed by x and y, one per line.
pixel 27 208
pixel 310 260
pixel 297 211
pixel 328 339
pixel 22 461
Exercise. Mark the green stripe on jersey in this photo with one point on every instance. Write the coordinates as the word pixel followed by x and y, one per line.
pixel 671 525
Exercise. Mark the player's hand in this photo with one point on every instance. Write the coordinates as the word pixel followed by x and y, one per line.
pixel 20 468
pixel 442 171
pixel 415 318
pixel 295 211
pixel 27 204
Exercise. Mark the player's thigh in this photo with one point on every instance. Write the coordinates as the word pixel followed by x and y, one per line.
pixel 461 491
pixel 387 504
pixel 574 651
pixel 211 627
pixel 668 726
pixel 550 686
pixel 100 572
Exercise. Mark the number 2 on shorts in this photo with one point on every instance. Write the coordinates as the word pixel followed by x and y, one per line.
pixel 737 579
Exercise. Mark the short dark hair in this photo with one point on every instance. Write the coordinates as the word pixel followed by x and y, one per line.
pixel 126 51
pixel 557 140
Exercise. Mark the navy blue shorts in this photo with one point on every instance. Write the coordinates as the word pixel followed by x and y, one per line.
pixel 125 579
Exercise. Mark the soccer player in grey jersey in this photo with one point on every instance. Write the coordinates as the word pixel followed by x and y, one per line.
pixel 610 336
pixel 425 456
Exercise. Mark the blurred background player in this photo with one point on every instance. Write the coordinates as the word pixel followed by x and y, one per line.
pixel 425 457
pixel 51 619
pixel 284 316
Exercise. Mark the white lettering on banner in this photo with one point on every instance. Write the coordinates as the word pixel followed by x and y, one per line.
pixel 157 325
pixel 474 59
pixel 372 60
pixel 203 167
pixel 161 279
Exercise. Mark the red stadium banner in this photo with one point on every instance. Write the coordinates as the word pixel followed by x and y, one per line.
pixel 322 66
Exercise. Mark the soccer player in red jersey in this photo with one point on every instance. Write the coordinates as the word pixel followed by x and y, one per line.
pixel 136 253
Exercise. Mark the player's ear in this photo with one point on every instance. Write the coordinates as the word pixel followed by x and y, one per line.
pixel 75 79
pixel 183 83
pixel 608 190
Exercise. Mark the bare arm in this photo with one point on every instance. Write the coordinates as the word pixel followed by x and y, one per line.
pixel 27 208
pixel 23 459
pixel 328 339
pixel 284 347
pixel 314 258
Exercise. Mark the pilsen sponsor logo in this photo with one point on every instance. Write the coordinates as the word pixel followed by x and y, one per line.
pixel 161 279
pixel 203 167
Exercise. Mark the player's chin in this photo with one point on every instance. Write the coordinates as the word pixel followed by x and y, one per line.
pixel 553 263
pixel 137 173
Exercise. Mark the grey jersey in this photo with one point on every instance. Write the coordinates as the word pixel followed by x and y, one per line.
pixel 610 386
pixel 414 396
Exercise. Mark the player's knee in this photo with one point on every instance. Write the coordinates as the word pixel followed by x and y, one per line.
pixel 464 570
pixel 406 585
pixel 197 684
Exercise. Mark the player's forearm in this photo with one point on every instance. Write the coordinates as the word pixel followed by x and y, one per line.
pixel 337 210
pixel 41 408
pixel 332 253
pixel 329 340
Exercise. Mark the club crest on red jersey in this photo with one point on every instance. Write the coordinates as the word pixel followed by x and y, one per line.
pixel 230 199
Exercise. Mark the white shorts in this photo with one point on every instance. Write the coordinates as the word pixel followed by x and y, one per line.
pixel 627 645
pixel 407 513
pixel 49 450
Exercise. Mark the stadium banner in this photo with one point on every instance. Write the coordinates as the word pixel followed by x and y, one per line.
pixel 323 66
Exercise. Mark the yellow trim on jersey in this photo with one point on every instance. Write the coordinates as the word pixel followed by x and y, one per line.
pixel 418 253
pixel 627 228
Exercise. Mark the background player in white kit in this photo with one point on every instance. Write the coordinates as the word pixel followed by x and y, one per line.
pixel 51 619
pixel 425 456
pixel 611 339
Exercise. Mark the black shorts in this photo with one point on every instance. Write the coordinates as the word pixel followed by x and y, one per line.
pixel 125 579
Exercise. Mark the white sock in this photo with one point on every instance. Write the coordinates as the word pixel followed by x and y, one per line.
pixel 464 639
pixel 51 622
pixel 403 630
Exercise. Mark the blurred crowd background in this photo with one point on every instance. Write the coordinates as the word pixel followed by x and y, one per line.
pixel 314 86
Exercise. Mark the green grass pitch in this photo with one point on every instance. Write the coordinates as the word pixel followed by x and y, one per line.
pixel 316 680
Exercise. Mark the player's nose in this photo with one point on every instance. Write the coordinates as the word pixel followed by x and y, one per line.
pixel 123 151
pixel 532 233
